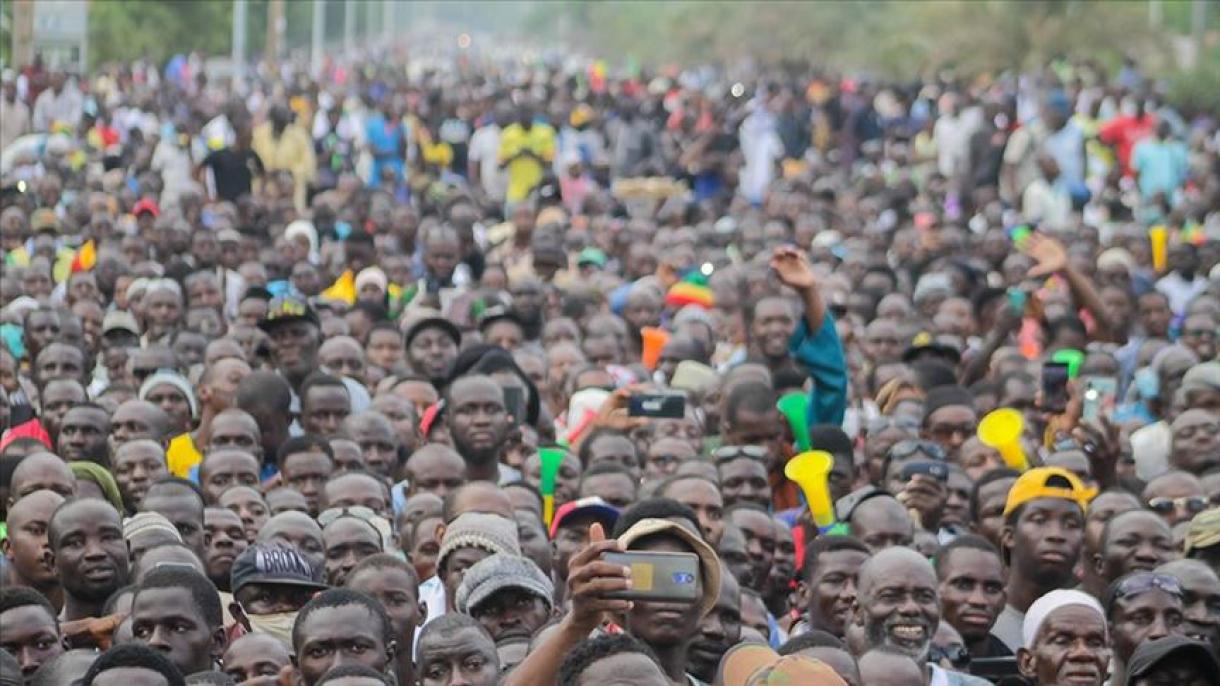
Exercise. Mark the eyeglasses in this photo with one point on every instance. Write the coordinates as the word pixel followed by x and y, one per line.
pixel 380 524
pixel 1192 504
pixel 1209 334
pixel 904 449
pixel 880 424
pixel 358 511
pixel 944 432
pixel 1142 582
pixel 732 452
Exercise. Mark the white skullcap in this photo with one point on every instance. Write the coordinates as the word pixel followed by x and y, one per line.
pixel 372 275
pixel 1044 606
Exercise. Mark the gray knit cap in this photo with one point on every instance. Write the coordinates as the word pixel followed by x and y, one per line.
pixel 491 575
pixel 489 532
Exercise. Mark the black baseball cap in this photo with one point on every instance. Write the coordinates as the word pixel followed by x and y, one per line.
pixel 433 323
pixel 1171 650
pixel 286 309
pixel 275 564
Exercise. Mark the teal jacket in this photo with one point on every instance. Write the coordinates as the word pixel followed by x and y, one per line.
pixel 821 355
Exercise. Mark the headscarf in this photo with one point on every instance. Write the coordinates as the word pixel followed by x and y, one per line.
pixel 92 471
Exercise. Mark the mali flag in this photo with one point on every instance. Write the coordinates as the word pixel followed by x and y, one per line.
pixel 85 258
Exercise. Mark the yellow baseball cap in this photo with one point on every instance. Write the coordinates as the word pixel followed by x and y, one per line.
pixel 1048 482
pixel 1204 530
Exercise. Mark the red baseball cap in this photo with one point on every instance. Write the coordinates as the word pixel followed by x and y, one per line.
pixel 146 205
pixel 592 507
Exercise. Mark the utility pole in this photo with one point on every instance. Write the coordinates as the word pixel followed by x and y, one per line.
pixel 275 29
pixel 238 54
pixel 1198 22
pixel 317 36
pixel 387 21
pixel 349 27
pixel 1154 13
pixel 23 33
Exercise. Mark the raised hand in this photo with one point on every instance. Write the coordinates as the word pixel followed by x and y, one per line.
pixel 792 268
pixel 1048 252
pixel 590 578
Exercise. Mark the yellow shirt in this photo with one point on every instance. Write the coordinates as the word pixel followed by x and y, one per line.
pixel 524 173
pixel 182 455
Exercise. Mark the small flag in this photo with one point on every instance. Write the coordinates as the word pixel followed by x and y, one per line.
pixel 85 258
pixel 343 289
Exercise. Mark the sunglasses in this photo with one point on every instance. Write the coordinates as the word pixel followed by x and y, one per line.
pixel 880 424
pixel 1142 582
pixel 1192 504
pixel 380 524
pixel 732 452
pixel 904 449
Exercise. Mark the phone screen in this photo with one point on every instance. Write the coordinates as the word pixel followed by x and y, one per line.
pixel 1099 396
pixel 514 402
pixel 1054 386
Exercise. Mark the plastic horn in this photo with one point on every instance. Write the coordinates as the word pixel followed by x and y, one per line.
pixel 809 470
pixel 1158 236
pixel 1001 429
pixel 653 340
pixel 795 408
pixel 551 459
pixel 1072 357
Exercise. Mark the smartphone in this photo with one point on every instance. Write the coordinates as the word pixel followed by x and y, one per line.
pixel 671 577
pixel 514 402
pixel 1017 299
pixel 657 405
pixel 1054 386
pixel 936 470
pixel 994 668
pixel 1099 394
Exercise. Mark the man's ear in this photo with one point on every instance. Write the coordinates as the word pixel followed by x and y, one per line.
pixel 391 653
pixel 220 641
pixel 1025 663
pixel 802 593
pixel 1099 565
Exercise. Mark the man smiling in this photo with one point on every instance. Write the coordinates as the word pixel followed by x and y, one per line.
pixel 898 607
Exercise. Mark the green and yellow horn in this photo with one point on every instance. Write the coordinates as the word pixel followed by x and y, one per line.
pixel 795 408
pixel 551 458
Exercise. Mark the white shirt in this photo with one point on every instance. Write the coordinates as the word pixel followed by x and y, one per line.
pixel 485 149
pixel 1151 446
pixel 1179 291
pixel 432 595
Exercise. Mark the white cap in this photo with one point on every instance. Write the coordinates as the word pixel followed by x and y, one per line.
pixel 1044 606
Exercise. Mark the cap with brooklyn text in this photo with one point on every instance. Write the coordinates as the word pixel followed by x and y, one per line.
pixel 278 565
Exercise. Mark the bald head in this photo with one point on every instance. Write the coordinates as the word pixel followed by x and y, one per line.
pixel 477 496
pixel 38 501
pixel 138 419
pixel 41 471
pixel 890 559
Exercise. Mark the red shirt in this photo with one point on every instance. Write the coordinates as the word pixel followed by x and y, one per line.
pixel 1123 133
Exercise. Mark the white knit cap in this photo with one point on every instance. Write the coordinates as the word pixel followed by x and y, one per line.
pixel 1044 606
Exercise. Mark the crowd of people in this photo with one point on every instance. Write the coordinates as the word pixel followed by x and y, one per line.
pixel 402 374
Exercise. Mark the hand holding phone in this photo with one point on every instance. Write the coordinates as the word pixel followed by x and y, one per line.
pixel 592 580
pixel 657 405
